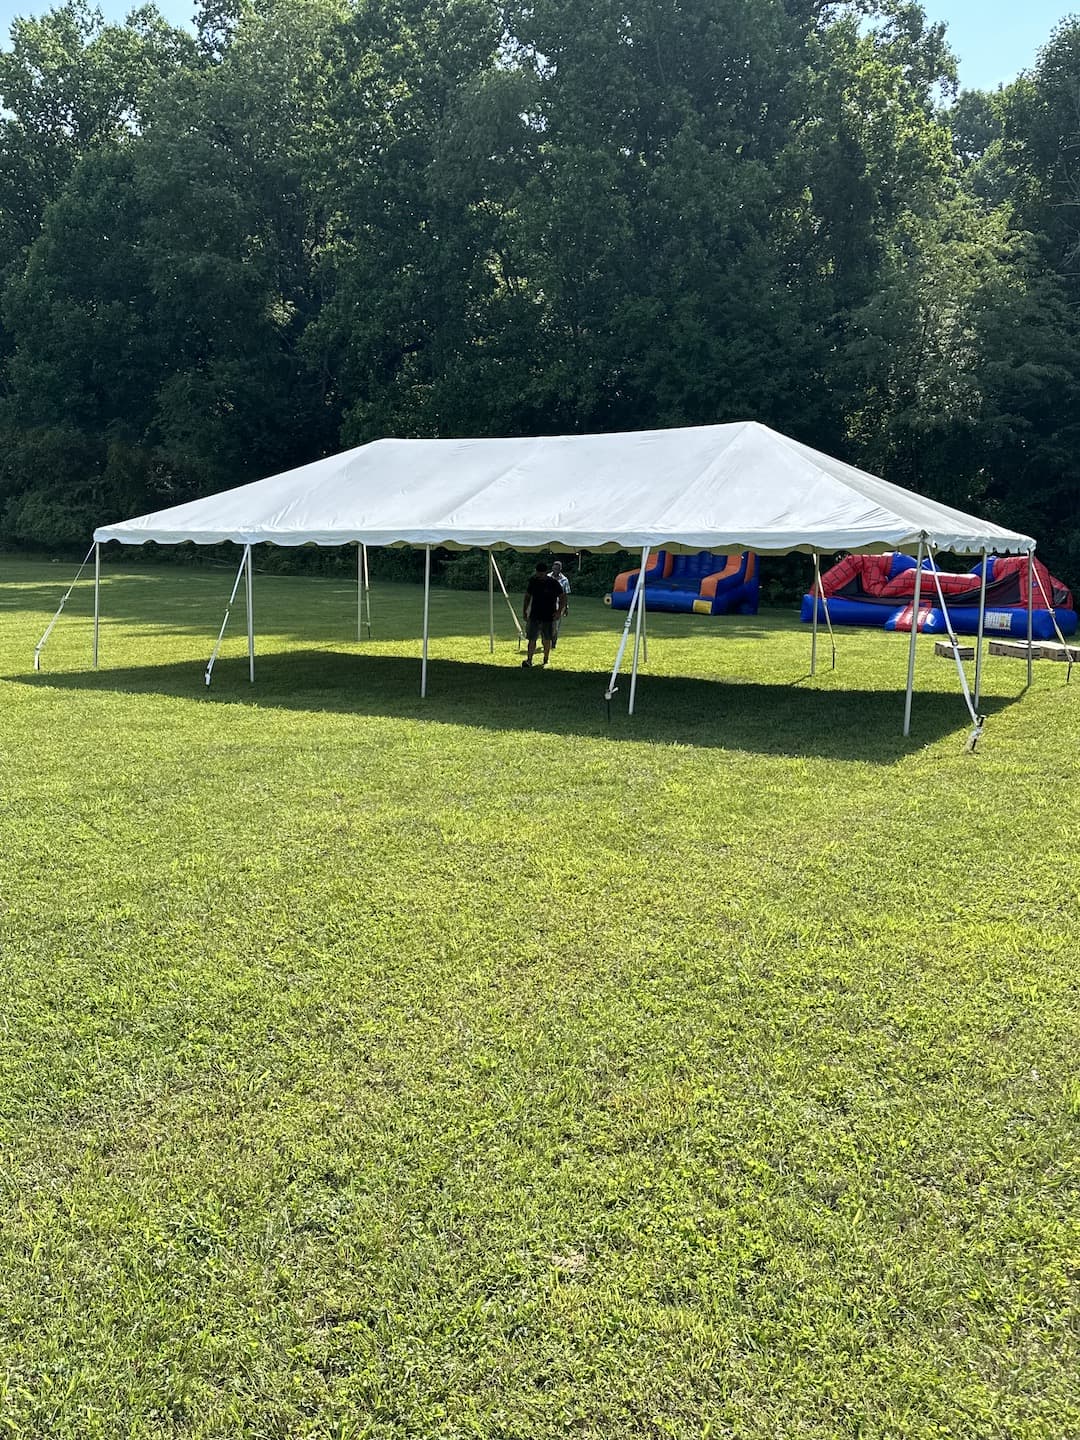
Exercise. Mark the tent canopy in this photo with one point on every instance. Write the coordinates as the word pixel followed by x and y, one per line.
pixel 709 487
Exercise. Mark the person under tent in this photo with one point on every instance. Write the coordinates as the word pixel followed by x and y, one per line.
pixel 559 574
pixel 543 607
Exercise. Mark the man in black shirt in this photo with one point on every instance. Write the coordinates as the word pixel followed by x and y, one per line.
pixel 544 603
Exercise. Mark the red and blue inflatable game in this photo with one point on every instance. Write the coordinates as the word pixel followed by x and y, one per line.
pixel 880 590
pixel 702 584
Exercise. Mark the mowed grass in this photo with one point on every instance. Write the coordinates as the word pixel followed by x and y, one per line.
pixel 487 1067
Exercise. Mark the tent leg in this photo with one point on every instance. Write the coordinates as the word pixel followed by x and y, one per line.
pixel 427 611
pixel 612 687
pixel 644 631
pixel 60 610
pixel 249 595
pixel 506 597
pixel 1048 602
pixel 813 631
pixel 971 708
pixel 97 600
pixel 914 636
pixel 980 635
pixel 491 603
pixel 1030 606
pixel 367 590
pixel 359 592
pixel 208 674
pixel 640 627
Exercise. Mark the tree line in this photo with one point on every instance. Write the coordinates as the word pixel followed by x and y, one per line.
pixel 309 223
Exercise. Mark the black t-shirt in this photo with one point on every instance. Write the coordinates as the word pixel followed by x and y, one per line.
pixel 544 595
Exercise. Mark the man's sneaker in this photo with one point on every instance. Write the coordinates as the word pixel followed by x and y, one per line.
pixel 526 664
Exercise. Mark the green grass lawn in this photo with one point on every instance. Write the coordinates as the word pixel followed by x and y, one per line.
pixel 487 1067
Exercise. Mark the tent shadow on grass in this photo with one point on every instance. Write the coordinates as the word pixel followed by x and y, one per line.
pixel 767 719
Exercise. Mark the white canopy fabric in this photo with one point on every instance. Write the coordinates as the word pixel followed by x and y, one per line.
pixel 708 487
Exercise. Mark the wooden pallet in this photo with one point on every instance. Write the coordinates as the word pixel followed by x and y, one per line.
pixel 943 647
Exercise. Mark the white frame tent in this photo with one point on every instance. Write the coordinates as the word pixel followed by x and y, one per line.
pixel 724 488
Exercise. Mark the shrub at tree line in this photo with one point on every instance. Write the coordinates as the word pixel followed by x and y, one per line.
pixel 314 222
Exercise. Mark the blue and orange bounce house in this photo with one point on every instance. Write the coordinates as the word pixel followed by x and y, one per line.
pixel 701 584
pixel 879 590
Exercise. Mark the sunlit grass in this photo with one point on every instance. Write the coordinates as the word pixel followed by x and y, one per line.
pixel 492 1066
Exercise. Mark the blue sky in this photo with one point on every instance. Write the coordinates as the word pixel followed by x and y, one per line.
pixel 993 39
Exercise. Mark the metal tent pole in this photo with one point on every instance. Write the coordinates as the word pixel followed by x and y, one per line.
pixel 631 608
pixel 491 603
pixel 427 610
pixel 641 622
pixel 97 599
pixel 644 630
pixel 1057 628
pixel 208 674
pixel 359 591
pixel 60 610
pixel 367 590
pixel 982 627
pixel 914 637
pixel 955 644
pixel 813 630
pixel 1030 605
pixel 249 595
pixel 506 597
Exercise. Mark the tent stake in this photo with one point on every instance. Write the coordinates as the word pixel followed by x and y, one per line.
pixel 427 605
pixel 914 636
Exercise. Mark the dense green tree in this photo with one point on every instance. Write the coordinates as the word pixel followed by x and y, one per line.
pixel 312 222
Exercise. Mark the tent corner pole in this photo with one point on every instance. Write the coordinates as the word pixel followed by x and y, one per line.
pixel 250 595
pixel 491 603
pixel 644 632
pixel 427 612
pixel 506 597
pixel 954 643
pixel 1030 607
pixel 914 636
pixel 60 609
pixel 208 673
pixel 621 651
pixel 982 629
pixel 359 591
pixel 97 598
pixel 640 626
pixel 817 602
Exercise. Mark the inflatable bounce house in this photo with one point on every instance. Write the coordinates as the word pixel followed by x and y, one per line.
pixel 703 584
pixel 880 590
